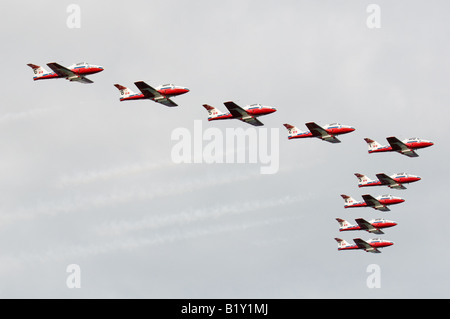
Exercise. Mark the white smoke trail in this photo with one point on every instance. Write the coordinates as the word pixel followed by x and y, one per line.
pixel 82 203
pixel 25 114
pixel 194 215
pixel 106 174
pixel 76 252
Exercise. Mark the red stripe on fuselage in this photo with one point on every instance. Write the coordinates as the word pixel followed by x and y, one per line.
pixel 260 111
pixel 417 145
pixel 173 92
pixel 339 131
pixel 391 201
pixel 373 183
pixel 46 76
pixel 221 117
pixel 133 97
pixel 301 135
pixel 84 71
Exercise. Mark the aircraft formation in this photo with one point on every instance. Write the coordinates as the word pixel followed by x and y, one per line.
pixel 249 114
pixel 379 203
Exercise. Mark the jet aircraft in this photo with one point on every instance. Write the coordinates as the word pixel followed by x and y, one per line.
pixel 326 133
pixel 371 245
pixel 371 226
pixel 160 94
pixel 75 72
pixel 247 114
pixel 378 203
pixel 406 147
pixel 393 181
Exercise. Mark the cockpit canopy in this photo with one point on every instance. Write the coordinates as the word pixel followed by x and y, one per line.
pixel 165 86
pixel 78 65
pixel 401 174
pixel 333 125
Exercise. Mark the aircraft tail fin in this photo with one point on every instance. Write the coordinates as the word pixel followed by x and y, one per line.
pixel 38 70
pixel 342 223
pixel 292 130
pixel 124 91
pixel 348 200
pixel 362 179
pixel 341 243
pixel 212 111
pixel 373 145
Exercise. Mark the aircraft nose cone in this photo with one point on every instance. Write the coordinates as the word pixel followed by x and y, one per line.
pixel 182 90
pixel 272 110
pixel 98 68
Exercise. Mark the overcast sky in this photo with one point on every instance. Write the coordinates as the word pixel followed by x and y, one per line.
pixel 89 180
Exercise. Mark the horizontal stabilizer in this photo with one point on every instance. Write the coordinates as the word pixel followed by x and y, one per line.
pixel 120 87
pixel 33 66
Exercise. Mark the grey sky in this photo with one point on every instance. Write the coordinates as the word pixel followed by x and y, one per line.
pixel 89 180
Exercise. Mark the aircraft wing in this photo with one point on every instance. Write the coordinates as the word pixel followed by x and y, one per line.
pixel 167 102
pixel 373 202
pixel 83 79
pixel 253 121
pixel 153 94
pixel 242 114
pixel 389 181
pixel 400 147
pixel 65 72
pixel 365 225
pixel 365 245
pixel 319 131
pixel 236 110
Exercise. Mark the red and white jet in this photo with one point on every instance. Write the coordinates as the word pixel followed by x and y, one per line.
pixel 160 94
pixel 247 114
pixel 371 226
pixel 326 133
pixel 393 181
pixel 75 72
pixel 371 245
pixel 405 147
pixel 378 203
